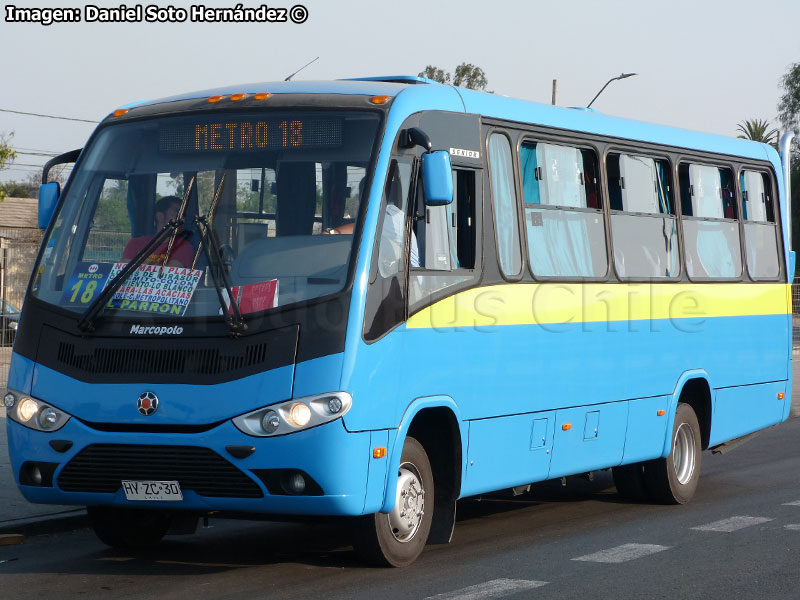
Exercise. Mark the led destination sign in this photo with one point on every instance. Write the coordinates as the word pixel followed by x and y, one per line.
pixel 245 135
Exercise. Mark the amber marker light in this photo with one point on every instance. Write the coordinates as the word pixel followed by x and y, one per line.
pixel 379 99
pixel 566 426
pixel 262 96
pixel 237 97
pixel 213 99
pixel 781 395
pixel 661 413
pixel 378 452
pixel 121 111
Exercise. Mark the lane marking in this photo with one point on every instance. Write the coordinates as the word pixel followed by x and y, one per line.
pixel 495 588
pixel 732 524
pixel 795 503
pixel 792 526
pixel 622 553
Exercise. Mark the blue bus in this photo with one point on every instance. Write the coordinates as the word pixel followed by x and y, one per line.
pixel 370 298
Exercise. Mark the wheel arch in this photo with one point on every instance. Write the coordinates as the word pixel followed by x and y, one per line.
pixel 694 388
pixel 435 422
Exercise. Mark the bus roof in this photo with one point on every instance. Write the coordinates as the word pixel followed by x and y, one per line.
pixel 428 95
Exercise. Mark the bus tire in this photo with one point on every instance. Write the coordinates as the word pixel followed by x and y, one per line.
pixel 674 479
pixel 128 527
pixel 397 539
pixel 629 480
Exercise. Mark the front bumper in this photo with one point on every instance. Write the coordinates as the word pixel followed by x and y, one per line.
pixel 340 462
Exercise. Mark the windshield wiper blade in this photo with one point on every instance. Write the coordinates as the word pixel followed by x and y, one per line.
pixel 86 322
pixel 218 271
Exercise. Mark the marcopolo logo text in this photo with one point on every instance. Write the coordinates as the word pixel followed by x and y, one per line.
pixel 139 330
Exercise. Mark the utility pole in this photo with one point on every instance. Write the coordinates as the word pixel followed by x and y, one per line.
pixel 555 91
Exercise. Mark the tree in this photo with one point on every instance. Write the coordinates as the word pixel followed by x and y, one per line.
pixel 789 104
pixel 758 130
pixel 470 77
pixel 467 75
pixel 6 154
pixel 436 74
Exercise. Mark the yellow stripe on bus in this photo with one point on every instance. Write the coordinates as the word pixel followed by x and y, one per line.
pixel 562 303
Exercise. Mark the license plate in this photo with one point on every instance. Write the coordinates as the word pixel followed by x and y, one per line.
pixel 152 490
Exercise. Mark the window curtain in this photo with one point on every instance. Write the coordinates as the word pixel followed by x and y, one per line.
pixel 558 239
pixel 504 202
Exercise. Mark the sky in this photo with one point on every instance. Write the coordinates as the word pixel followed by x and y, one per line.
pixel 701 64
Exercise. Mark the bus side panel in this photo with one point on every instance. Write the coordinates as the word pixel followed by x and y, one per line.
pixel 508 451
pixel 745 409
pixel 647 429
pixel 588 438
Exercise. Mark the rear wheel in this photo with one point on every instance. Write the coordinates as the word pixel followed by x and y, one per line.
pixel 397 539
pixel 128 527
pixel 674 479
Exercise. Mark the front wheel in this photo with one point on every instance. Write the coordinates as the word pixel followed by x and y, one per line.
pixel 397 539
pixel 128 527
pixel 673 480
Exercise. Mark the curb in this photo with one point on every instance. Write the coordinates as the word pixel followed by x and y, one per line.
pixel 62 522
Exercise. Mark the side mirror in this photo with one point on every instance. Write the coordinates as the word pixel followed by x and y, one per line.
pixel 437 178
pixel 48 199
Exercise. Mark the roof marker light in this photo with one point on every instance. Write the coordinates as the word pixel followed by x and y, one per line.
pixel 121 111
pixel 379 99
pixel 262 96
pixel 213 99
pixel 237 97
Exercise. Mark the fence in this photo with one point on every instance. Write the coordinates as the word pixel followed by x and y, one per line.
pixel 18 249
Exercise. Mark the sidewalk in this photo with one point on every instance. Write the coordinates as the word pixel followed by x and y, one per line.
pixel 16 513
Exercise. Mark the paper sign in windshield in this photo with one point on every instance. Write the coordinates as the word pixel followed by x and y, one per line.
pixel 86 283
pixel 255 297
pixel 152 289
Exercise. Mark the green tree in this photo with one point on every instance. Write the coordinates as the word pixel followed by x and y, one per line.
pixel 436 74
pixel 789 116
pixel 466 75
pixel 758 130
pixel 789 104
pixel 6 154
pixel 470 77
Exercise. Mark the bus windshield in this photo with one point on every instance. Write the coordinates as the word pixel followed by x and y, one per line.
pixel 280 192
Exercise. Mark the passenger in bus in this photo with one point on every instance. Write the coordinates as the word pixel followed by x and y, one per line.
pixel 182 253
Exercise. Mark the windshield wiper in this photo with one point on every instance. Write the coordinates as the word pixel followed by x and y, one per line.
pixel 211 249
pixel 218 271
pixel 87 320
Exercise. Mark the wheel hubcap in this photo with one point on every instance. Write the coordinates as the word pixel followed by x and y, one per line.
pixel 683 453
pixel 405 519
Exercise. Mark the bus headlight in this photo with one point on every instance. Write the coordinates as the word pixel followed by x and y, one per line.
pixel 294 415
pixel 34 414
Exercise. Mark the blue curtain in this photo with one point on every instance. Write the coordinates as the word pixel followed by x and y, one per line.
pixel 558 239
pixel 504 201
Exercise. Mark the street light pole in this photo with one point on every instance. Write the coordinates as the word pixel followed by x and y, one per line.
pixel 621 76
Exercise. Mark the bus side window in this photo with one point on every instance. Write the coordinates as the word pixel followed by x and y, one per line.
pixel 710 226
pixel 760 230
pixel 385 305
pixel 443 238
pixel 563 212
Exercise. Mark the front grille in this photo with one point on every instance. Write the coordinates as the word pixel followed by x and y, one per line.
pixel 200 361
pixel 192 360
pixel 102 467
